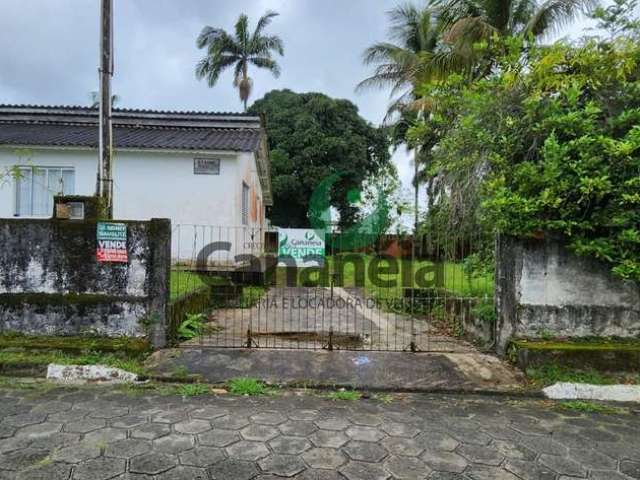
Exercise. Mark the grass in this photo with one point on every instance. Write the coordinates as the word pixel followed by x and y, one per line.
pixel 133 347
pixel 251 295
pixel 590 407
pixel 183 282
pixel 455 280
pixel 344 395
pixel 384 398
pixel 582 344
pixel 44 357
pixel 192 389
pixel 248 386
pixel 551 373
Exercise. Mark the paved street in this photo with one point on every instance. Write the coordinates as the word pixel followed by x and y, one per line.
pixel 96 433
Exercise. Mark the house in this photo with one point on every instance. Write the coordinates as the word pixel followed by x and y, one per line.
pixel 208 172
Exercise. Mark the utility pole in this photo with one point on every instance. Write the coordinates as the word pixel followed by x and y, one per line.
pixel 105 180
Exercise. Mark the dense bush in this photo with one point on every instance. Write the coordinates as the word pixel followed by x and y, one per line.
pixel 549 143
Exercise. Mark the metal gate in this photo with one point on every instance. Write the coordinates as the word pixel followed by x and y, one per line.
pixel 393 296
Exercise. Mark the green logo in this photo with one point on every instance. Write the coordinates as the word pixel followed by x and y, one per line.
pixel 364 232
pixel 284 240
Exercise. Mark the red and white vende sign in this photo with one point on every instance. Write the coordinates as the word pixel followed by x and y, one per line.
pixel 112 242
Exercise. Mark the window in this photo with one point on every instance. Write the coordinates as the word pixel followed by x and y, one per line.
pixel 245 204
pixel 36 186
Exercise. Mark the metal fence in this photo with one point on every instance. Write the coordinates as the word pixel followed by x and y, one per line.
pixel 393 296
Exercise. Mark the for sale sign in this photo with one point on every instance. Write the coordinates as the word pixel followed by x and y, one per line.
pixel 112 242
pixel 301 245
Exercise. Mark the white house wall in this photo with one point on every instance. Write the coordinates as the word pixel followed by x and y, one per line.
pixel 85 171
pixel 202 208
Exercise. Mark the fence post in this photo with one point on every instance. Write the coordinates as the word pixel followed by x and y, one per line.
pixel 160 245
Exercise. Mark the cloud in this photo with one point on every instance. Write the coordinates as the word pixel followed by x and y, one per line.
pixel 50 52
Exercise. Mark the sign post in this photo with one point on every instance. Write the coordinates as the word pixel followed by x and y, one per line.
pixel 112 242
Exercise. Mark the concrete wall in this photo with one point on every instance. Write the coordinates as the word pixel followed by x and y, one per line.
pixel 543 289
pixel 157 184
pixel 52 284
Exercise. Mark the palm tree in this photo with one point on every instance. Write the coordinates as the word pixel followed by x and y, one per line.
pixel 402 63
pixel 467 22
pixel 238 49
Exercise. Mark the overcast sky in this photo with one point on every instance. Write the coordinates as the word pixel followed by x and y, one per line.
pixel 49 52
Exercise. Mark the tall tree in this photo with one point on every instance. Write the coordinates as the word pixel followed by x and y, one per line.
pixel 312 136
pixel 402 62
pixel 468 22
pixel 239 49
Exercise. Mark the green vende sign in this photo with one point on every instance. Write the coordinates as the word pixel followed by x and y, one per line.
pixel 298 243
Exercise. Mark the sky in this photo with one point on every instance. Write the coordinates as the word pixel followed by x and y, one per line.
pixel 50 52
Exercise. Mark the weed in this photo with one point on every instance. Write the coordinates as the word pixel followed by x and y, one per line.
pixel 251 296
pixel 345 395
pixel 485 311
pixel 179 371
pixel 590 407
pixel 546 334
pixel 551 373
pixel 385 398
pixel 192 389
pixel 247 386
pixel 192 326
pixel 44 357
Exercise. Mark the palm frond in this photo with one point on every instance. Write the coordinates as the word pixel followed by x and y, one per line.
pixel 469 30
pixel 498 14
pixel 451 60
pixel 554 14
pixel 209 35
pixel 385 75
pixel 210 67
pixel 207 68
pixel 238 72
pixel 450 11
pixel 242 31
pixel 380 52
pixel 404 19
pixel 397 107
pixel 263 22
pixel 522 11
pixel 267 63
pixel 264 45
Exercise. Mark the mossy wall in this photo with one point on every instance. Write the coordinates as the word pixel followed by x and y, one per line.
pixel 543 290
pixel 52 284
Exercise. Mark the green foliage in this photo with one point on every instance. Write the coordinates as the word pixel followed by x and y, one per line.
pixel 124 346
pixel 344 395
pixel 250 296
pixel 247 386
pixel 551 373
pixel 192 389
pixel 26 358
pixel 192 326
pixel 312 136
pixel 591 407
pixel 618 18
pixel 547 145
pixel 485 311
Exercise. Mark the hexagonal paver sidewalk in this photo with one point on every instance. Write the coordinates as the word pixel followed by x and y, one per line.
pixel 98 433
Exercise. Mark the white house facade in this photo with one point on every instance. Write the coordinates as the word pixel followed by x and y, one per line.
pixel 207 172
